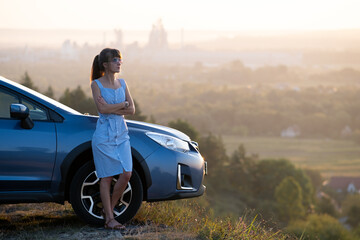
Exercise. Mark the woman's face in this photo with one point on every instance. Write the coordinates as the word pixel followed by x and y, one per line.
pixel 114 64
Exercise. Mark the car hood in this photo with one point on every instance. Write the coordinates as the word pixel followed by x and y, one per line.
pixel 147 127
pixel 157 128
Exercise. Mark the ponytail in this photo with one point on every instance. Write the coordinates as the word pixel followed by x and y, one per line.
pixel 95 70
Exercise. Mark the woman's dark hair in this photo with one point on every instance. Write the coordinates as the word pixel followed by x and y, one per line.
pixel 105 55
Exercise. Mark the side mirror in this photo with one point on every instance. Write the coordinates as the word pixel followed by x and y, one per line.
pixel 22 112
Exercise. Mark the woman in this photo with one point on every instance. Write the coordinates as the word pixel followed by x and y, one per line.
pixel 110 143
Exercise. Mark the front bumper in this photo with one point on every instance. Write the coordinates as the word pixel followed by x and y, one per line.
pixel 183 195
pixel 175 175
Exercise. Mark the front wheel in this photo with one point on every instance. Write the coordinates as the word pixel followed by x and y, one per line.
pixel 86 202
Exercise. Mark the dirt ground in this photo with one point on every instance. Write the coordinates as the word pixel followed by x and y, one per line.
pixel 54 221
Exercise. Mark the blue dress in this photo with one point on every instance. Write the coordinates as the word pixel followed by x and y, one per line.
pixel 110 143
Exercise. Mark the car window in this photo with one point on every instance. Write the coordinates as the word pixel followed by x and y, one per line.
pixel 6 100
pixel 36 112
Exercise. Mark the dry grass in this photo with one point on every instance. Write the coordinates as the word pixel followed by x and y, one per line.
pixel 186 219
pixel 54 221
pixel 191 216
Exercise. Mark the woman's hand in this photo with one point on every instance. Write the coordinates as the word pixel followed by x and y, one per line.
pixel 101 100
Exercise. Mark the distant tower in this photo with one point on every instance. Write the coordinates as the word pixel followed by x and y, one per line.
pixel 182 38
pixel 104 38
pixel 118 38
pixel 69 50
pixel 158 36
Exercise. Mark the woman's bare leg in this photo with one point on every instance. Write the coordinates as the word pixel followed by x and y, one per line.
pixel 105 185
pixel 119 188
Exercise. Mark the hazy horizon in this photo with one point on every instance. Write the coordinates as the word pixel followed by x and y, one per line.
pixel 16 37
pixel 41 23
pixel 54 38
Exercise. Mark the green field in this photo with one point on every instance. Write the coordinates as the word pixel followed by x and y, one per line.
pixel 330 157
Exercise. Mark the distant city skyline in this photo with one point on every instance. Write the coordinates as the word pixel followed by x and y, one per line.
pixel 227 15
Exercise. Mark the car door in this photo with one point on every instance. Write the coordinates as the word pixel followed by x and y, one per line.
pixel 27 156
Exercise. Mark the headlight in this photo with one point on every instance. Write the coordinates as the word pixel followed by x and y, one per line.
pixel 169 142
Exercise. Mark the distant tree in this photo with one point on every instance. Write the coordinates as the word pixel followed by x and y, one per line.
pixel 289 199
pixel 241 170
pixel 351 209
pixel 186 127
pixel 238 155
pixel 315 177
pixel 268 210
pixel 27 82
pixel 319 227
pixel 213 150
pixel 77 100
pixel 49 92
pixel 269 174
pixel 356 232
pixel 326 205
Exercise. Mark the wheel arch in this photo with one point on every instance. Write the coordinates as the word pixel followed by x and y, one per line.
pixel 73 161
pixel 142 169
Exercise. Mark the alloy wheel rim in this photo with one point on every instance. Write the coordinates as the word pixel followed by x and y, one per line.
pixel 91 201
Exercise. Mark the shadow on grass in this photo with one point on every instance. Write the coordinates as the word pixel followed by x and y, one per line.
pixel 26 221
pixel 14 223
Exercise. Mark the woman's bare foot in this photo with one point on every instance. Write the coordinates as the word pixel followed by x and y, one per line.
pixel 114 225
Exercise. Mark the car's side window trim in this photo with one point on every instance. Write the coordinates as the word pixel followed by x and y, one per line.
pixel 22 97
pixel 55 117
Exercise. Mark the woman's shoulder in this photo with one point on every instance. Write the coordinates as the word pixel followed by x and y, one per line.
pixel 122 82
pixel 96 83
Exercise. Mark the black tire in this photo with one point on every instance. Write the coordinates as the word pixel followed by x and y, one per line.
pixel 86 202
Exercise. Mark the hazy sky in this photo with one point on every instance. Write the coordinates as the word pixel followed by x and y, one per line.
pixel 234 15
